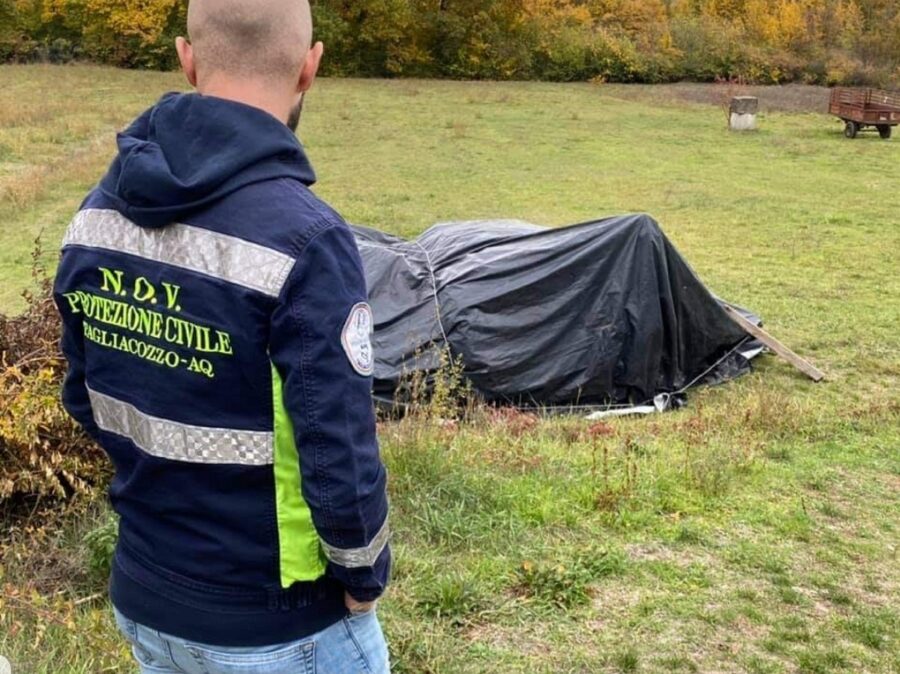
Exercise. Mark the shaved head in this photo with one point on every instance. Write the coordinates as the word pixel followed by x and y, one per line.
pixel 249 39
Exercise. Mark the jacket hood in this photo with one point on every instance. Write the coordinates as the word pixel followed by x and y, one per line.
pixel 189 150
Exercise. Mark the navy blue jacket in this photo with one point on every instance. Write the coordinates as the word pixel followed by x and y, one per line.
pixel 217 330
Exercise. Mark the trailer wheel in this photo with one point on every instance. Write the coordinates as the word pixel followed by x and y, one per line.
pixel 851 129
pixel 884 131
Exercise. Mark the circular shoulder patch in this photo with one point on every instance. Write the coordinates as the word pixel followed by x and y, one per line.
pixel 357 341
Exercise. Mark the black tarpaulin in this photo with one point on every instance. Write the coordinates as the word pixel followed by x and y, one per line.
pixel 603 312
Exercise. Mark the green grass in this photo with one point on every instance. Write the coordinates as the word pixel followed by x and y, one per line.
pixel 754 531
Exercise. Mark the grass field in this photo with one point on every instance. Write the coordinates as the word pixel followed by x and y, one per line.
pixel 757 530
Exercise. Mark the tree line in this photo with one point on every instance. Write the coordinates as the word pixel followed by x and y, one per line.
pixel 761 41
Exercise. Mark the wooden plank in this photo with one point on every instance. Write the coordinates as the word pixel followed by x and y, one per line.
pixel 784 352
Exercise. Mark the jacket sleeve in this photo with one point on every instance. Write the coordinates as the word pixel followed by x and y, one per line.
pixel 75 397
pixel 328 397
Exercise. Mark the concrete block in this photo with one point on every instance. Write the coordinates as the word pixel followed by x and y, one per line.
pixel 743 113
pixel 745 122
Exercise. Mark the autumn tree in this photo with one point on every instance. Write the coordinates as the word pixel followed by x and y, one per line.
pixel 823 41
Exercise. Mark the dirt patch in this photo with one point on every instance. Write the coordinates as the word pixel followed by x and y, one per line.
pixel 513 639
pixel 613 602
pixel 654 552
pixel 783 98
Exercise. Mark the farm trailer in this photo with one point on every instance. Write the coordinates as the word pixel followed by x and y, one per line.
pixel 863 108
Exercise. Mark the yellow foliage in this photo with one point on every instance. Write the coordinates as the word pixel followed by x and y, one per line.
pixel 145 19
pixel 633 16
pixel 777 23
pixel 851 22
pixel 142 19
pixel 557 10
pixel 619 40
pixel 42 451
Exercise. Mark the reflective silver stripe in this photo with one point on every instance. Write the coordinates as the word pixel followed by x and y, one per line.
pixel 181 442
pixel 356 557
pixel 218 255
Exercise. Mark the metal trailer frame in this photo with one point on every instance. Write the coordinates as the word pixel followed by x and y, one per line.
pixel 860 109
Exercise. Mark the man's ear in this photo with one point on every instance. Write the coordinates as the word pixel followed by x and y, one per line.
pixel 186 56
pixel 310 67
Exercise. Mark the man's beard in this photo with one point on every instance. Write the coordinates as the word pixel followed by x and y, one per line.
pixel 294 118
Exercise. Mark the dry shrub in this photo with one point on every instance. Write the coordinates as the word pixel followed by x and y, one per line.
pixel 727 89
pixel 43 453
pixel 516 423
pixel 25 188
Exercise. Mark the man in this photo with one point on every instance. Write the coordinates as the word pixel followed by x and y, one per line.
pixel 217 333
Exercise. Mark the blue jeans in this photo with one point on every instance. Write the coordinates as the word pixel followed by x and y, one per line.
pixel 354 645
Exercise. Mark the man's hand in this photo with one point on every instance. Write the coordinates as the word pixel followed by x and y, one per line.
pixel 358 607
